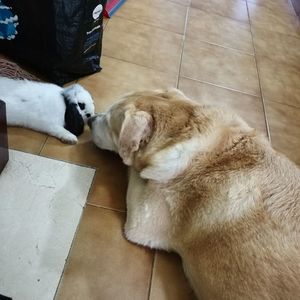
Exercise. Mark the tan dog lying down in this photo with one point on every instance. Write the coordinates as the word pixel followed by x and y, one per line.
pixel 207 186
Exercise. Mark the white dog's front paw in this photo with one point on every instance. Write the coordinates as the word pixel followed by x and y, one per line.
pixel 63 135
pixel 69 139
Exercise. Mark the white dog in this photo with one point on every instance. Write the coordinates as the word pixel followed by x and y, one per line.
pixel 48 108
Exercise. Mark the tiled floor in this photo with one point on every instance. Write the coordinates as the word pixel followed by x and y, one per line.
pixel 238 53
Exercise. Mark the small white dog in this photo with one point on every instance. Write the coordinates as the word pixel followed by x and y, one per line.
pixel 48 108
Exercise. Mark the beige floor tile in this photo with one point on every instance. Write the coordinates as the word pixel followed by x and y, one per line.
pixel 250 108
pixel 83 153
pixel 276 6
pixel 110 185
pixel 182 2
pixel 70 83
pixel 264 18
pixel 143 45
pixel 277 46
pixel 221 66
pixel 168 279
pixel 25 140
pixel 279 82
pixel 166 15
pixel 219 30
pixel 235 9
pixel 102 264
pixel 284 123
pixel 118 78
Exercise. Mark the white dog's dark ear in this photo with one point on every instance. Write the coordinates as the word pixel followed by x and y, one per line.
pixel 73 120
pixel 136 129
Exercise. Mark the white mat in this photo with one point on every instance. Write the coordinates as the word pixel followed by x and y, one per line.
pixel 41 201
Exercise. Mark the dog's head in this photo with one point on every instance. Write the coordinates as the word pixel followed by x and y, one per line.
pixel 79 107
pixel 159 132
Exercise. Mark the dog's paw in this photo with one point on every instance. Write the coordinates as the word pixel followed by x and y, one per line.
pixel 70 139
pixel 132 235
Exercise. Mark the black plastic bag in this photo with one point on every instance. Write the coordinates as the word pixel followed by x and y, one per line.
pixel 62 39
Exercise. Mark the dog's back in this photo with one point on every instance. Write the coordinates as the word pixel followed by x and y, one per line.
pixel 244 233
pixel 28 102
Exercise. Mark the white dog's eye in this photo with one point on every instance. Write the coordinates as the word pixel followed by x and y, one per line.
pixel 81 105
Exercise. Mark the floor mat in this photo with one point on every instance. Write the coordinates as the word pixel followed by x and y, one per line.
pixel 41 201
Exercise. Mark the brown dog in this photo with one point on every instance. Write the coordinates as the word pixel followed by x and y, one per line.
pixel 204 184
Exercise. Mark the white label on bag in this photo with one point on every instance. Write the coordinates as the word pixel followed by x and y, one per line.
pixel 95 28
pixel 97 11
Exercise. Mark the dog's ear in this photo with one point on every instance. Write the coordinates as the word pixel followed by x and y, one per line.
pixel 136 129
pixel 73 119
pixel 70 92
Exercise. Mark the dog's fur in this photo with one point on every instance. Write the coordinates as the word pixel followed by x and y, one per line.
pixel 204 184
pixel 48 108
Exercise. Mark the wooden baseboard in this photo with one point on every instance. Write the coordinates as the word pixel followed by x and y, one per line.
pixel 3 137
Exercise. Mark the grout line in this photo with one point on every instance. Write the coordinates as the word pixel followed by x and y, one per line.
pixel 284 104
pixel 147 24
pixel 221 86
pixel 105 207
pixel 139 65
pixel 184 5
pixel 259 81
pixel 106 23
pixel 43 146
pixel 271 11
pixel 223 46
pixel 288 35
pixel 222 15
pixel 183 42
pixel 275 14
pixel 151 274
pixel 90 189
